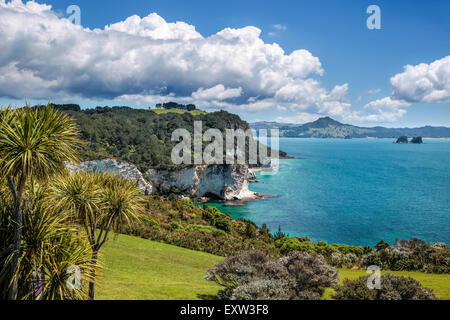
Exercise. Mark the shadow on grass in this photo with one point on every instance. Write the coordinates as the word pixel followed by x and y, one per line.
pixel 206 297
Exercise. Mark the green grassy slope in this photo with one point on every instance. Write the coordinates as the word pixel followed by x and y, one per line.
pixel 165 111
pixel 138 269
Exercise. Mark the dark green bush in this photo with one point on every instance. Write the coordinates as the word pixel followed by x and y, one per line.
pixel 223 224
pixel 175 226
pixel 149 222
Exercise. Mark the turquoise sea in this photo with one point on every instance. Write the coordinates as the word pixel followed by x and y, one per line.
pixel 356 191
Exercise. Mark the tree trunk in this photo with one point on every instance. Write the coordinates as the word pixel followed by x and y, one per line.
pixel 17 240
pixel 91 284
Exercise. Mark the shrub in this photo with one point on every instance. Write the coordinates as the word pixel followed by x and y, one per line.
pixel 410 255
pixel 175 226
pixel 279 234
pixel 149 222
pixel 250 231
pixel 392 288
pixel 336 259
pixel 222 223
pixel 251 276
pixel 205 229
pixel 288 245
pixel 174 214
pixel 381 245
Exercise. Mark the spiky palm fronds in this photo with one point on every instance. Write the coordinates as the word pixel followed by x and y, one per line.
pixel 50 246
pixel 79 195
pixel 100 203
pixel 36 142
pixel 122 201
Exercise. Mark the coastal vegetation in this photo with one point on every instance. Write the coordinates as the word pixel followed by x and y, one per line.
pixel 198 227
pixel 203 228
pixel 54 223
pixel 34 144
pixel 99 204
pixel 142 137
pixel 251 276
pixel 393 288
pixel 135 268
pixel 50 245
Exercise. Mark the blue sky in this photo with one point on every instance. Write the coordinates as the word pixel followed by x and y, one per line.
pixel 335 32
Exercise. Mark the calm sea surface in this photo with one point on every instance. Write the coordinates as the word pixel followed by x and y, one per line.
pixel 356 191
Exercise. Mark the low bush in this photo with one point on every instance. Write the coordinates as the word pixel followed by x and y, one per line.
pixel 335 254
pixel 252 276
pixel 149 222
pixel 392 288
pixel 409 255
pixel 175 226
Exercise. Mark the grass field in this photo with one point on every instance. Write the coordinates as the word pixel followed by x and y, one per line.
pixel 164 111
pixel 138 269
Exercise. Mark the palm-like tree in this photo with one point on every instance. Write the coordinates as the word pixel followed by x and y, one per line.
pixel 101 203
pixel 34 144
pixel 51 245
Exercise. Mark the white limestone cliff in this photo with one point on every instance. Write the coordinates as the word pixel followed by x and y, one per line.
pixel 222 182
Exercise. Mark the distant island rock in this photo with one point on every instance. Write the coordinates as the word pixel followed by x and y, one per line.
pixel 417 140
pixel 402 139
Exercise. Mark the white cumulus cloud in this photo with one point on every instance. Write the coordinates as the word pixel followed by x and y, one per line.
pixel 218 92
pixel 423 82
pixel 387 102
pixel 44 56
pixel 429 83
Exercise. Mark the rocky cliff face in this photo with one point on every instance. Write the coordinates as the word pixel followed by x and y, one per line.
pixel 223 182
pixel 125 170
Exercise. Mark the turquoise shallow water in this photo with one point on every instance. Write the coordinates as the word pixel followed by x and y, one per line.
pixel 356 191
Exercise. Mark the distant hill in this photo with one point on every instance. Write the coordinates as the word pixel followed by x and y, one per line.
pixel 330 128
pixel 271 125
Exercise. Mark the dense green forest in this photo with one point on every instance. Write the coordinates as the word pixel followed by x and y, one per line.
pixel 141 137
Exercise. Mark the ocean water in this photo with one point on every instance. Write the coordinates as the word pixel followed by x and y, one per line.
pixel 356 192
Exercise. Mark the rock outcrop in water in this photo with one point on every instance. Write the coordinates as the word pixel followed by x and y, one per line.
pixel 416 140
pixel 221 182
pixel 402 139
